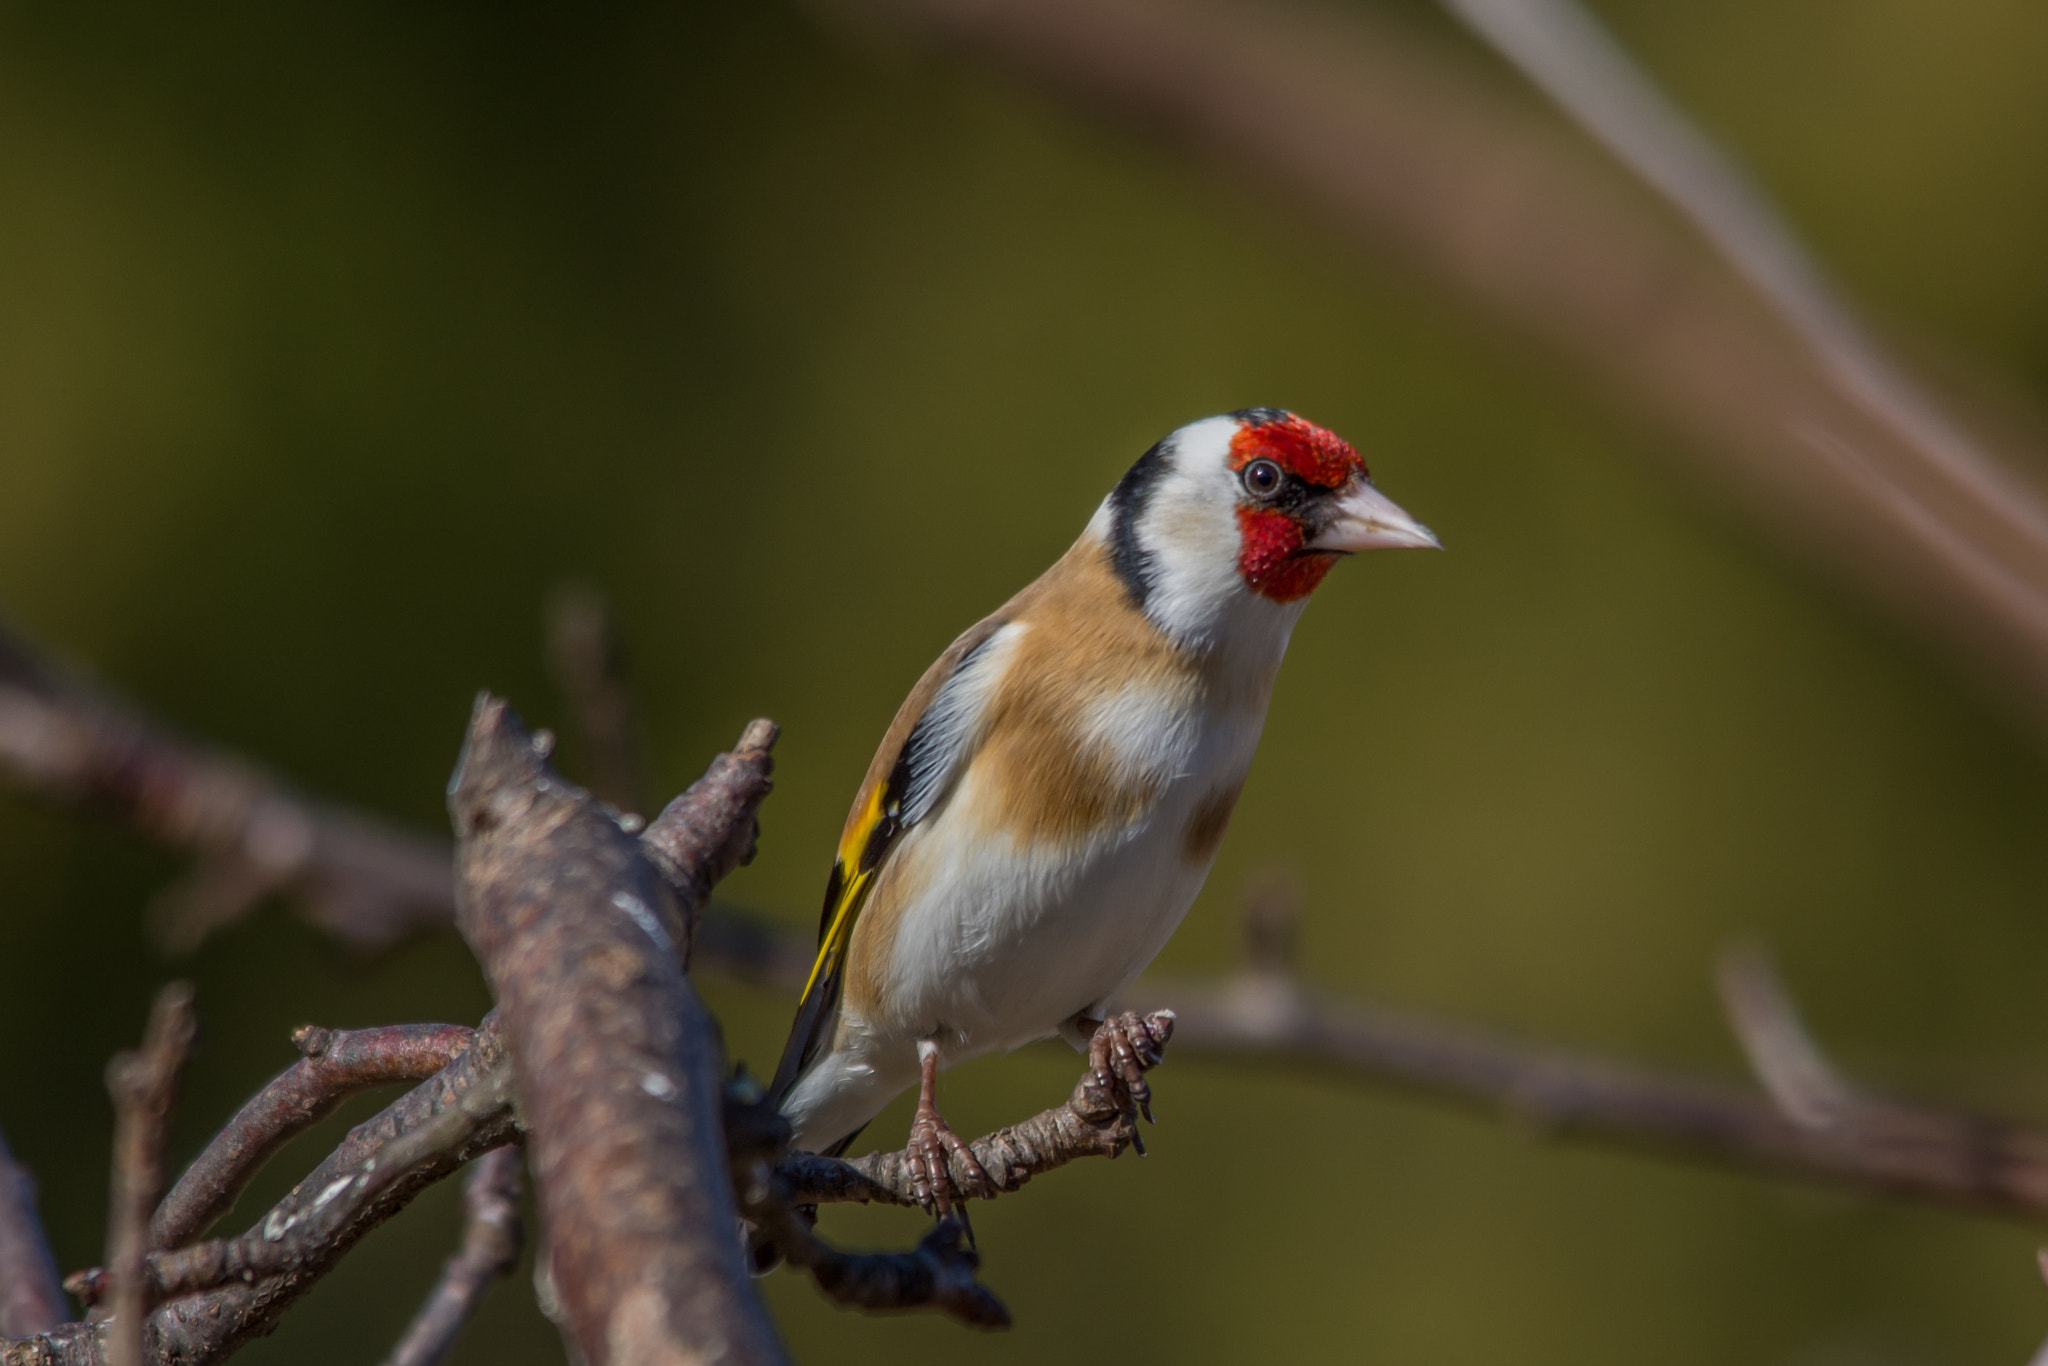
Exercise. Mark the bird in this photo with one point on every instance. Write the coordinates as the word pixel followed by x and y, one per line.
pixel 1051 795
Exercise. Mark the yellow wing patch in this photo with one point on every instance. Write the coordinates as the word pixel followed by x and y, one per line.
pixel 861 850
pixel 852 892
pixel 832 949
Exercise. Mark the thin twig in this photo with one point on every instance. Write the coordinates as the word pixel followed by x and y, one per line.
pixel 1784 1056
pixel 775 1185
pixel 1264 1015
pixel 1091 1123
pixel 491 1240
pixel 939 1273
pixel 31 1297
pixel 302 1228
pixel 711 829
pixel 336 1064
pixel 587 657
pixel 144 1085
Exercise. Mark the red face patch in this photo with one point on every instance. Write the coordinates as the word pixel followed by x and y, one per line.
pixel 1313 454
pixel 1271 558
pixel 1270 554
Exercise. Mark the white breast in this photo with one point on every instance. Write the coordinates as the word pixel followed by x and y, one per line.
pixel 1007 942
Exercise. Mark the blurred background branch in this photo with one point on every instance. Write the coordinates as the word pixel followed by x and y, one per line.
pixel 144 1084
pixel 491 1240
pixel 1733 340
pixel 587 662
pixel 248 835
pixel 31 1298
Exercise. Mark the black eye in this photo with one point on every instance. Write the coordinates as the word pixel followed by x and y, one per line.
pixel 1261 478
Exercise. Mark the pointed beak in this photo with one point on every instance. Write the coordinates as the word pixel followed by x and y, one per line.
pixel 1369 520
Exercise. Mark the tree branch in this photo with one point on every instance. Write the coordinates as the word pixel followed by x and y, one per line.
pixel 1344 114
pixel 1801 1081
pixel 776 1187
pixel 491 1241
pixel 364 881
pixel 939 1273
pixel 463 1111
pixel 711 829
pixel 337 1064
pixel 1091 1123
pixel 144 1085
pixel 1565 52
pixel 1965 1161
pixel 31 1297
pixel 1265 1015
pixel 354 876
pixel 473 1089
pixel 621 1068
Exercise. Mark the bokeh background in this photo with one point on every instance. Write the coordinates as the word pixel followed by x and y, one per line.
pixel 333 337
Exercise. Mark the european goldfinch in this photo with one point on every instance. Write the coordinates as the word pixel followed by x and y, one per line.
pixel 1053 791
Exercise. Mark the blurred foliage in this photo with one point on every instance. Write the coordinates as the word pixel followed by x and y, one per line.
pixel 332 336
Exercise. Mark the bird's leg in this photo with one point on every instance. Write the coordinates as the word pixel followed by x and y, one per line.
pixel 1122 1047
pixel 934 1145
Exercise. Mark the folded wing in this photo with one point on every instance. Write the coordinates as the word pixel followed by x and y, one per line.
pixel 933 738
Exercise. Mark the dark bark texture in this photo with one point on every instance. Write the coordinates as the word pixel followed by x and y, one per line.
pixel 337 1064
pixel 621 1067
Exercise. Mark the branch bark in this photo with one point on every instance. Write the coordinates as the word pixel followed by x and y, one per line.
pixel 621 1067
pixel 711 829
pixel 337 1064
pixel 1092 1123
pixel 939 1273
pixel 467 1105
pixel 463 1111
pixel 31 1297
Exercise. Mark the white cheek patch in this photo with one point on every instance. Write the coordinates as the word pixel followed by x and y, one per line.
pixel 1190 531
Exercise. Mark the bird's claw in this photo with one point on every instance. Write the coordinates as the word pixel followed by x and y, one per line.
pixel 933 1149
pixel 1123 1049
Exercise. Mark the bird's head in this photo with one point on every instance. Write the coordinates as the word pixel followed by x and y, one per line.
pixel 1247 508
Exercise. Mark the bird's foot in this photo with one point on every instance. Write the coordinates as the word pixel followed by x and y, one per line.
pixel 1122 1050
pixel 934 1148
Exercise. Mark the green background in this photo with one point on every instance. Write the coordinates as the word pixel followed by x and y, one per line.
pixel 332 337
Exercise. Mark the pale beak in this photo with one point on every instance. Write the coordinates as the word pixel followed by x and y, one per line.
pixel 1369 520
